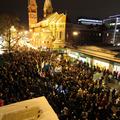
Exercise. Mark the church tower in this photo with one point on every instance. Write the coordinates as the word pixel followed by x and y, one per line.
pixel 32 12
pixel 48 9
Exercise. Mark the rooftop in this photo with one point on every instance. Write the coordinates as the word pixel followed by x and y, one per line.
pixel 99 52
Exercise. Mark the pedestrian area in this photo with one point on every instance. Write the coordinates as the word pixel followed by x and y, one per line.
pixel 74 89
pixel 115 85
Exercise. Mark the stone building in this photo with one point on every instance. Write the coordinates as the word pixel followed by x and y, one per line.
pixel 50 31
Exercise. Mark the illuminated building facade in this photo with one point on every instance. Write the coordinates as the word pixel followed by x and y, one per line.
pixel 49 32
pixel 32 13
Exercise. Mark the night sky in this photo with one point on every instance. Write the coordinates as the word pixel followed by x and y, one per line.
pixel 74 8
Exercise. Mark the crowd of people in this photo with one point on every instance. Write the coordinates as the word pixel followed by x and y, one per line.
pixel 68 85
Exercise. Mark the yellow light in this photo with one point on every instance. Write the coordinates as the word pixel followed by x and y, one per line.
pixel 75 33
pixel 13 29
pixel 30 30
pixel 26 32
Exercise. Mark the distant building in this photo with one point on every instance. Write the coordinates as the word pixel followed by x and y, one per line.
pixel 112 33
pixel 94 32
pixel 86 32
pixel 90 22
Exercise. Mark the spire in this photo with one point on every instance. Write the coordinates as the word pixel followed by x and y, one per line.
pixel 32 6
pixel 32 12
pixel 48 9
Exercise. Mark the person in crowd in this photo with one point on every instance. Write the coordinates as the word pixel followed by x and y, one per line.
pixel 68 85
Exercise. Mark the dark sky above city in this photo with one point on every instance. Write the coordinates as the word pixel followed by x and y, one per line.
pixel 74 8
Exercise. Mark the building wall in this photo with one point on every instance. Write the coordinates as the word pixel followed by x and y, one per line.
pixel 112 32
pixel 50 31
pixel 86 35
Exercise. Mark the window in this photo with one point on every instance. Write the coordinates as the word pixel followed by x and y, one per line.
pixel 100 34
pixel 60 35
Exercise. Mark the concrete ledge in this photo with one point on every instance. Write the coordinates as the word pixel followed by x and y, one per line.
pixel 33 109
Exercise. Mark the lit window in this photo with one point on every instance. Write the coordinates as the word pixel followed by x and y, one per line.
pixel 107 34
pixel 100 34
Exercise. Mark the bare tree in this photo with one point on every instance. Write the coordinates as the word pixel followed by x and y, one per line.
pixel 6 21
pixel 9 41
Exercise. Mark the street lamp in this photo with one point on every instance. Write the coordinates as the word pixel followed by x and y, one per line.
pixel 12 29
pixel 75 33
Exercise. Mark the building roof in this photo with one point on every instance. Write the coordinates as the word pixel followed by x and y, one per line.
pixel 99 53
pixel 51 19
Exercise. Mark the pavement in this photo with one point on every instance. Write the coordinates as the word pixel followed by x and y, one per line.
pixel 114 84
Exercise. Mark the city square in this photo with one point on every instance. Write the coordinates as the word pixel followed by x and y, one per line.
pixel 53 68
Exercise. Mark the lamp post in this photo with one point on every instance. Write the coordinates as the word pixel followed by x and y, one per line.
pixel 75 37
pixel 75 33
pixel 114 35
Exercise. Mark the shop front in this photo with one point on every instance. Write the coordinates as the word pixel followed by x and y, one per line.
pixel 85 59
pixel 116 67
pixel 74 55
pixel 102 64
